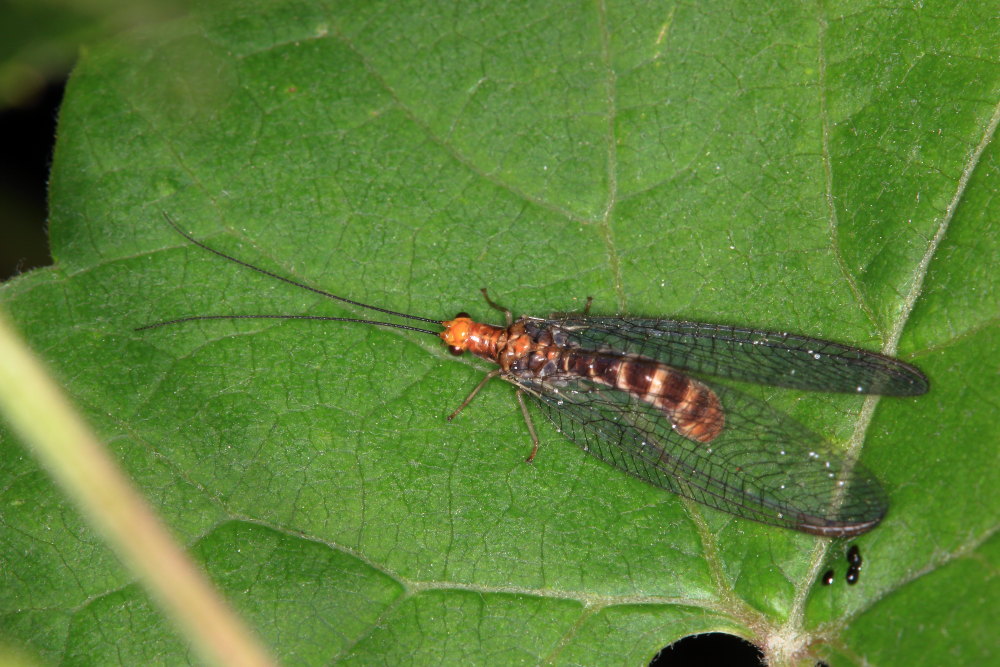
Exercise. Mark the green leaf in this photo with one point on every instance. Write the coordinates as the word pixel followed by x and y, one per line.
pixel 828 170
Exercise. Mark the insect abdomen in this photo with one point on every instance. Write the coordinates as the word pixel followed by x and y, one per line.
pixel 694 410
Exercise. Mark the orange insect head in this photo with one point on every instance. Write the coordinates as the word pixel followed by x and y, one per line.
pixel 457 332
pixel 465 334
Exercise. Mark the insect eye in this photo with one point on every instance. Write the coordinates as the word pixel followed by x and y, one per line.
pixel 463 314
pixel 454 349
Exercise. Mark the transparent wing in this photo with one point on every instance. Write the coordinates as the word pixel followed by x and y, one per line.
pixel 764 357
pixel 764 466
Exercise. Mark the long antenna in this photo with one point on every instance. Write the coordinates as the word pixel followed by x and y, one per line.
pixel 192 318
pixel 289 280
pixel 271 274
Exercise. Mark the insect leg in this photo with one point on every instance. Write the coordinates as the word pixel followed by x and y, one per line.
pixel 507 313
pixel 531 426
pixel 586 309
pixel 468 399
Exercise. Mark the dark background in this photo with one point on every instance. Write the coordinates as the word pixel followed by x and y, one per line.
pixel 27 135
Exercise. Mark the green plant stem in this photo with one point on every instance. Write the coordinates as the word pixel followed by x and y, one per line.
pixel 43 416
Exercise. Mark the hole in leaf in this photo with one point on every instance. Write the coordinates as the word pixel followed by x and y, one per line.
pixel 707 649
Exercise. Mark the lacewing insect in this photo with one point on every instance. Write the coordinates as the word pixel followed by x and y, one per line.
pixel 644 396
